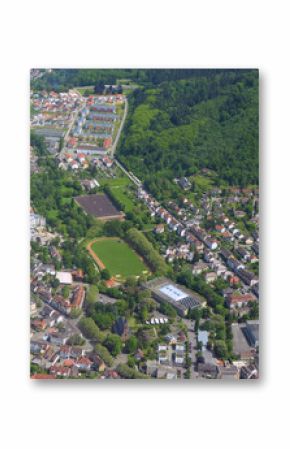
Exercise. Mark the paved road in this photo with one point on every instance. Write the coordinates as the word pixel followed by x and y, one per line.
pixel 114 146
pixel 133 178
pixel 192 340
pixel 75 114
pixel 121 358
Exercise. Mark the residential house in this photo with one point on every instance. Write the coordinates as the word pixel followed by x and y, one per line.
pixel 64 352
pixel 74 165
pixel 60 371
pixel 208 370
pixel 210 277
pixel 220 228
pixel 228 372
pixel 251 332
pixel 208 256
pixel 107 161
pixel 59 338
pixel 78 297
pixel 239 213
pixel 84 363
pixel 159 229
pixel 220 269
pixel 226 254
pixel 179 358
pixel 256 248
pixel 256 236
pixel 255 290
pixel 243 253
pixel 78 275
pixel 155 369
pixel 163 355
pixel 97 363
pixel 248 372
pixel 181 230
pixel 248 277
pixel 39 325
pixel 248 240
pixel 237 300
pixel 77 352
pixel 199 267
pixel 171 339
pixel 234 264
pixel 211 243
pixel 184 183
pixel 227 292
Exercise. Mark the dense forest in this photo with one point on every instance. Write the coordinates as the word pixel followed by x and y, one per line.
pixel 64 79
pixel 206 121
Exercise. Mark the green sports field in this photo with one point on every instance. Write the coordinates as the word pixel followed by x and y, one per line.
pixel 119 258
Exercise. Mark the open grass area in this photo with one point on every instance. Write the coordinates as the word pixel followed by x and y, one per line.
pixel 118 257
pixel 203 182
pixel 117 182
pixel 84 89
pixel 120 189
pixel 121 195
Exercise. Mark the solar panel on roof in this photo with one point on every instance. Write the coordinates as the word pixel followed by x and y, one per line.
pixel 173 292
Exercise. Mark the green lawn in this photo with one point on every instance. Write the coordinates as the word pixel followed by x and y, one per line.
pixel 118 257
pixel 203 182
pixel 121 194
pixel 83 89
pixel 119 187
pixel 116 182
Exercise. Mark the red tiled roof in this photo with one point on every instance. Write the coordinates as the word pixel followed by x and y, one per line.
pixel 78 296
pixel 68 363
pixel 43 376
pixel 110 283
pixel 84 361
pixel 234 298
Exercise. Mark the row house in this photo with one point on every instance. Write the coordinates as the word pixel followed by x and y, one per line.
pixel 78 297
pixel 235 264
pixel 243 254
pixel 247 277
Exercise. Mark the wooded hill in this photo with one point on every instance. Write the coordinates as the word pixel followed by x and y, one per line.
pixel 209 120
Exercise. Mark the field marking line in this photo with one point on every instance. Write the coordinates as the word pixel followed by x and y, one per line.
pixel 100 264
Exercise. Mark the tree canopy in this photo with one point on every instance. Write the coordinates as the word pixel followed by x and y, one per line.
pixel 209 120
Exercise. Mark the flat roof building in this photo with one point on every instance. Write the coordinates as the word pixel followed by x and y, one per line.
pixel 64 277
pixel 182 299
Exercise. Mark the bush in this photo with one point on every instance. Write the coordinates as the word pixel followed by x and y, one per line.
pixel 114 344
pixel 75 313
pixel 220 349
pixel 130 373
pixel 131 345
pixel 76 340
pixel 89 329
pixel 146 249
pixel 92 294
pixel 105 274
pixel 104 354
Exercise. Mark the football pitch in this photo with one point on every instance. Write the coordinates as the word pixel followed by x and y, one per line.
pixel 117 256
